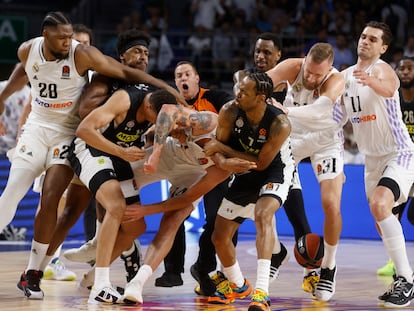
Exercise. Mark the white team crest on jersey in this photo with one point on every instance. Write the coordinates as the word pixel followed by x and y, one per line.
pixel 239 122
pixel 130 124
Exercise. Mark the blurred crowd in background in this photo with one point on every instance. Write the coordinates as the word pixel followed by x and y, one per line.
pixel 219 35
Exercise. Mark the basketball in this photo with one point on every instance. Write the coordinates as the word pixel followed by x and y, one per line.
pixel 309 250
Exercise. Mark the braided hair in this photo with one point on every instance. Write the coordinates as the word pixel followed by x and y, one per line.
pixel 53 19
pixel 264 84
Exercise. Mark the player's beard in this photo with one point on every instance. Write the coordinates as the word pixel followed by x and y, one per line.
pixel 407 85
pixel 59 56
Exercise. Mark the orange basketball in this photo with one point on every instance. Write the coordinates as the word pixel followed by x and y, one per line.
pixel 309 250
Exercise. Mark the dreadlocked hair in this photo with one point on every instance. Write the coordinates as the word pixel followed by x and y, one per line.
pixel 55 18
pixel 264 84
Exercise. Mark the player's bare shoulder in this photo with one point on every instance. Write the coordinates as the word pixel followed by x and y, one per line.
pixel 230 108
pixel 286 70
pixel 24 49
pixel 88 57
pixel 281 124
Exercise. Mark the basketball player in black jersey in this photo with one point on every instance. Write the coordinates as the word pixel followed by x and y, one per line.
pixel 267 53
pixel 101 161
pixel 251 129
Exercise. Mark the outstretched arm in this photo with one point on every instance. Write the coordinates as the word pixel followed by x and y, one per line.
pixel 213 177
pixel 90 58
pixel 325 111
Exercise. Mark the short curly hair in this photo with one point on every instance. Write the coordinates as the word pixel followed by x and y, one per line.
pixel 132 37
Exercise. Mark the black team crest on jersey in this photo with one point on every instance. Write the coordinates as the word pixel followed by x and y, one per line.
pixel 65 72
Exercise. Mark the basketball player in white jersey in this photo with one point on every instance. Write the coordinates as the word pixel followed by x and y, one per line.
pixel 56 67
pixel 56 269
pixel 372 104
pixel 313 103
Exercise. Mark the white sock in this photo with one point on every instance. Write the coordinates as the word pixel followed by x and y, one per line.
pixel 394 242
pixel 263 270
pixel 37 254
pixel 101 277
pixel 306 271
pixel 234 274
pixel 143 274
pixel 329 256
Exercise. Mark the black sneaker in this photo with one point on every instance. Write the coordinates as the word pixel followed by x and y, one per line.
pixel 276 261
pixel 169 279
pixel 325 288
pixel 207 286
pixel 401 293
pixel 132 262
pixel 387 294
pixel 29 284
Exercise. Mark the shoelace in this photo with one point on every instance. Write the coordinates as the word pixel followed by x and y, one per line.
pixel 224 287
pixel 312 277
pixel 390 290
pixel 59 266
pixel 396 288
pixel 259 296
pixel 218 278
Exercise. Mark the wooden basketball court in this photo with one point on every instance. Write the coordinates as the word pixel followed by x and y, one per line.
pixel 357 283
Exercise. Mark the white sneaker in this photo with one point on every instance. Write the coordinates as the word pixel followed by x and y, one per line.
pixel 85 253
pixel 276 261
pixel 106 294
pixel 56 270
pixel 85 285
pixel 325 288
pixel 133 293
